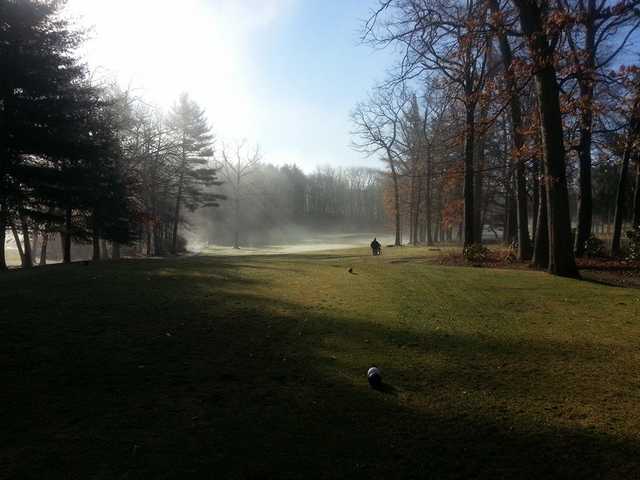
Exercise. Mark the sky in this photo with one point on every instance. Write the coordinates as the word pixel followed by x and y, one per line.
pixel 284 74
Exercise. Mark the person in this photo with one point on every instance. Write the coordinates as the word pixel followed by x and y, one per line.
pixel 376 248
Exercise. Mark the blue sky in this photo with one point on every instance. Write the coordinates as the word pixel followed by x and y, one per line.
pixel 281 73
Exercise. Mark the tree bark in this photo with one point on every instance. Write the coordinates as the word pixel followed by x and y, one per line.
pixel 428 214
pixel 416 213
pixel 620 199
pixel 479 172
pixel 469 211
pixel 524 242
pixel 66 236
pixel 396 197
pixel 541 245
pixel 16 238
pixel 536 200
pixel 636 195
pixel 95 240
pixel 396 193
pixel 3 234
pixel 586 82
pixel 104 250
pixel 585 196
pixel 561 258
pixel 28 256
pixel 176 220
pixel 43 248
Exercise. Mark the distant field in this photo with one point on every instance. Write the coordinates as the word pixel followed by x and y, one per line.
pixel 254 367
pixel 13 258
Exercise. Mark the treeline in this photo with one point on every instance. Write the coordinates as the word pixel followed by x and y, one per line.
pixel 274 205
pixel 508 119
pixel 87 163
pixel 89 170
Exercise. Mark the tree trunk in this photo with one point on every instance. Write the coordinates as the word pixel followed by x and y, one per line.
pixel 416 213
pixel 469 211
pixel 541 245
pixel 479 171
pixel 16 238
pixel 536 199
pixel 28 256
pixel 585 196
pixel 157 240
pixel 43 248
pixel 115 251
pixel 561 259
pixel 428 213
pixel 176 219
pixel 524 243
pixel 34 243
pixel 66 237
pixel 586 83
pixel 104 251
pixel 149 240
pixel 620 200
pixel 396 198
pixel 96 240
pixel 636 195
pixel 3 234
pixel 236 222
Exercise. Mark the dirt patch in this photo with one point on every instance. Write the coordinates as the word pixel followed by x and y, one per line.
pixel 495 258
pixel 609 271
pixel 620 273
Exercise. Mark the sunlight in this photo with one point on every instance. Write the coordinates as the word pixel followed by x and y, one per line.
pixel 163 48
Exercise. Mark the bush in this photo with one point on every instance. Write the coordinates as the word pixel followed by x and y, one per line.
pixel 634 243
pixel 594 247
pixel 475 253
pixel 511 253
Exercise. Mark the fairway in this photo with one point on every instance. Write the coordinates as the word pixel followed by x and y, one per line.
pixel 254 367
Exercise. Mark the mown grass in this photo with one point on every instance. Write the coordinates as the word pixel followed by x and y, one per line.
pixel 254 367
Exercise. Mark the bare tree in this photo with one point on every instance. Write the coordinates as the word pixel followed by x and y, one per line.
pixel 238 162
pixel 377 131
pixel 446 38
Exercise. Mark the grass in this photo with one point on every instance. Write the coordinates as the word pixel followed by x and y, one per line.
pixel 254 367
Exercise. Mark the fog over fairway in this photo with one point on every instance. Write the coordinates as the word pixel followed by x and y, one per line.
pixel 313 243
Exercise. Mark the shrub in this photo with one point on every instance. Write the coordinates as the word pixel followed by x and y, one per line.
pixel 634 243
pixel 511 253
pixel 594 247
pixel 475 253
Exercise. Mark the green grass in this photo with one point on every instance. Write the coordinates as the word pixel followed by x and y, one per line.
pixel 254 367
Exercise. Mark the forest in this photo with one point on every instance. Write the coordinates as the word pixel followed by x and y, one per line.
pixel 512 121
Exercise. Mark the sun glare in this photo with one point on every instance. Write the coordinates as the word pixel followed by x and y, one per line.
pixel 163 48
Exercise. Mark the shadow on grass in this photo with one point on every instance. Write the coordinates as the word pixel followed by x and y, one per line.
pixel 158 370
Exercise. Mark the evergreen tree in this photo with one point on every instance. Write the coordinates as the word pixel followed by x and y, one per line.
pixel 194 142
pixel 37 70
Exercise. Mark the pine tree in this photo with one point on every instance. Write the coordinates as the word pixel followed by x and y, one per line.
pixel 37 70
pixel 194 142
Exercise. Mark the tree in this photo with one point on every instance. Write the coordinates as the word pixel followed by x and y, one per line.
pixel 630 147
pixel 593 28
pixel 194 141
pixel 37 68
pixel 377 131
pixel 444 38
pixel 542 38
pixel 236 167
pixel 512 90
